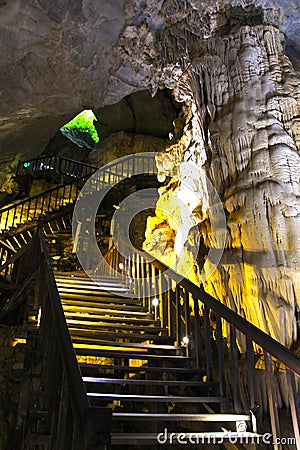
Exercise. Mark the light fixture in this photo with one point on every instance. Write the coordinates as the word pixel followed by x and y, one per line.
pixel 155 302
pixel 121 266
pixel 186 340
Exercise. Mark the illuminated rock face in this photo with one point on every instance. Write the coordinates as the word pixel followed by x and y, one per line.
pixel 243 130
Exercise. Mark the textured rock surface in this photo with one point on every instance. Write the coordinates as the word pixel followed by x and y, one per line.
pixel 60 58
pixel 243 129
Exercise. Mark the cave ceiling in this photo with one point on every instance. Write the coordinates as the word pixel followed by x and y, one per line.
pixel 60 57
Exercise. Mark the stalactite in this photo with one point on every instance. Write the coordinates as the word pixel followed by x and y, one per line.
pixel 243 129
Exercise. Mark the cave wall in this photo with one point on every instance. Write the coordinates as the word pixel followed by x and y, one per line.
pixel 60 58
pixel 243 130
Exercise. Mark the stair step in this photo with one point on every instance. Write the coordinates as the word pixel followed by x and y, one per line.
pixel 216 417
pixel 175 439
pixel 82 275
pixel 136 382
pixel 101 296
pixel 106 304
pixel 127 344
pixel 95 291
pixel 116 285
pixel 108 318
pixel 85 367
pixel 79 310
pixel 156 398
pixel 105 335
pixel 122 353
pixel 86 282
pixel 115 326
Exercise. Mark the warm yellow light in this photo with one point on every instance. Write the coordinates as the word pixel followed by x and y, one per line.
pixel 16 341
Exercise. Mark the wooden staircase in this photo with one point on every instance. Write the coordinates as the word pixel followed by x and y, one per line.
pixel 120 362
pixel 130 363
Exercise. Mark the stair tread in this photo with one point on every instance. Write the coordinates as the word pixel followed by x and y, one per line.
pixel 81 275
pixel 213 417
pixel 135 382
pixel 195 437
pixel 105 304
pixel 157 398
pixel 117 335
pixel 108 318
pixel 84 283
pixel 133 369
pixel 94 291
pixel 119 353
pixel 88 312
pixel 103 297
pixel 106 309
pixel 128 344
pixel 116 326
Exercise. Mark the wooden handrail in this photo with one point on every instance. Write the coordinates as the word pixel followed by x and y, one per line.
pixel 41 194
pixel 55 158
pixel 12 259
pixel 266 342
pixel 78 396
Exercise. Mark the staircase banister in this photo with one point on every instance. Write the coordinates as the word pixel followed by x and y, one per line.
pixel 80 163
pixel 5 246
pixel 12 259
pixel 41 194
pixel 38 158
pixel 78 395
pixel 279 351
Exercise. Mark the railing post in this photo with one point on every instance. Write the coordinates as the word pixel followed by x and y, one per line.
pixel 294 405
pixel 177 316
pixel 251 381
pixel 208 350
pixel 272 400
pixel 221 360
pixel 197 337
pixel 235 371
pixel 186 298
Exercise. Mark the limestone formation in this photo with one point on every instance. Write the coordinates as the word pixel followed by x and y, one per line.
pixel 243 130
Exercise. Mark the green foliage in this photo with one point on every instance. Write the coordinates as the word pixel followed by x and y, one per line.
pixel 84 121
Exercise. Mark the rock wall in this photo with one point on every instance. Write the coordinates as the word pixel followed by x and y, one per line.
pixel 58 58
pixel 243 130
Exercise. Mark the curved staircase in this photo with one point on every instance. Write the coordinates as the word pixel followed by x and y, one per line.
pixel 113 363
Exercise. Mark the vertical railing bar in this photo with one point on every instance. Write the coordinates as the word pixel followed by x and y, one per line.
pixel 169 300
pixel 272 400
pixel 208 343
pixel 221 359
pixel 186 299
pixel 197 336
pixel 177 316
pixel 235 370
pixel 251 373
pixel 294 405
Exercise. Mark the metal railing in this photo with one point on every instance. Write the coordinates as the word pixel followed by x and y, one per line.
pixel 70 421
pixel 67 193
pixel 59 164
pixel 212 331
pixel 43 203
